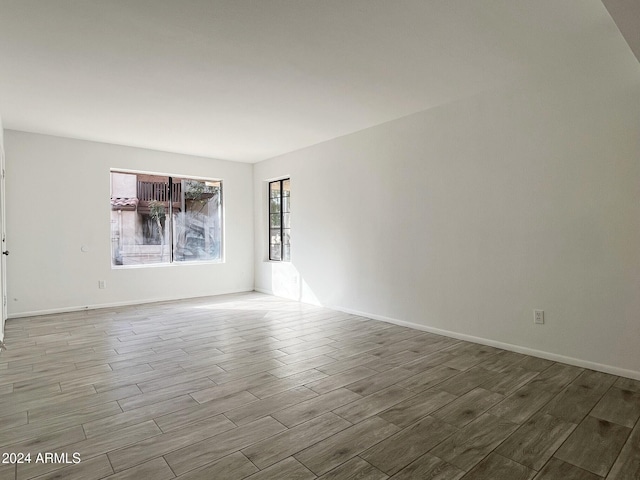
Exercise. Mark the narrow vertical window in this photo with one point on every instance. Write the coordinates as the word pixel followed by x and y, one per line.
pixel 279 220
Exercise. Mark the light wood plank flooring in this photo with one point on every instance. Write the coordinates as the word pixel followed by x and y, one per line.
pixel 251 386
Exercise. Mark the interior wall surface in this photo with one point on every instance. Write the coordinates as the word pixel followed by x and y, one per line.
pixel 59 233
pixel 464 218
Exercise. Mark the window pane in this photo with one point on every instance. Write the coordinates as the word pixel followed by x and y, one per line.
pixel 198 221
pixel 274 252
pixel 279 220
pixel 286 257
pixel 274 236
pixel 274 205
pixel 274 220
pixel 139 223
pixel 274 189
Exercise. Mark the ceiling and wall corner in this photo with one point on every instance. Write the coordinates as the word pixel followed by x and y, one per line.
pixel 246 81
pixel 626 14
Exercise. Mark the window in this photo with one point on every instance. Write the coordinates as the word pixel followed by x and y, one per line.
pixel 279 220
pixel 162 219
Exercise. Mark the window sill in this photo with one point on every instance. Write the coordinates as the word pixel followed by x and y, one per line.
pixel 161 265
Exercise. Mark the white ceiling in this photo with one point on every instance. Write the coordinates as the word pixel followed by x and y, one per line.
pixel 247 80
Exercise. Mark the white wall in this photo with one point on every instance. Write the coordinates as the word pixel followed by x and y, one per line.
pixel 58 201
pixel 466 217
pixel 2 319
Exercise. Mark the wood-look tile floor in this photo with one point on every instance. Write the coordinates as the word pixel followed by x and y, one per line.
pixel 251 386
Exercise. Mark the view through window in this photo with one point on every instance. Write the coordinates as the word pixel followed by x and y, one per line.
pixel 279 220
pixel 163 219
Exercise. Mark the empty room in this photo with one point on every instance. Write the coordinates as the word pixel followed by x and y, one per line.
pixel 332 239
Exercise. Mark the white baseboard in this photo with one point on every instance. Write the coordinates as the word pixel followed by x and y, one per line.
pixel 50 311
pixel 622 372
pixel 265 291
pixel 448 333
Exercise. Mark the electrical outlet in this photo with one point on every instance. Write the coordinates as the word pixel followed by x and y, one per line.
pixel 102 284
pixel 538 317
